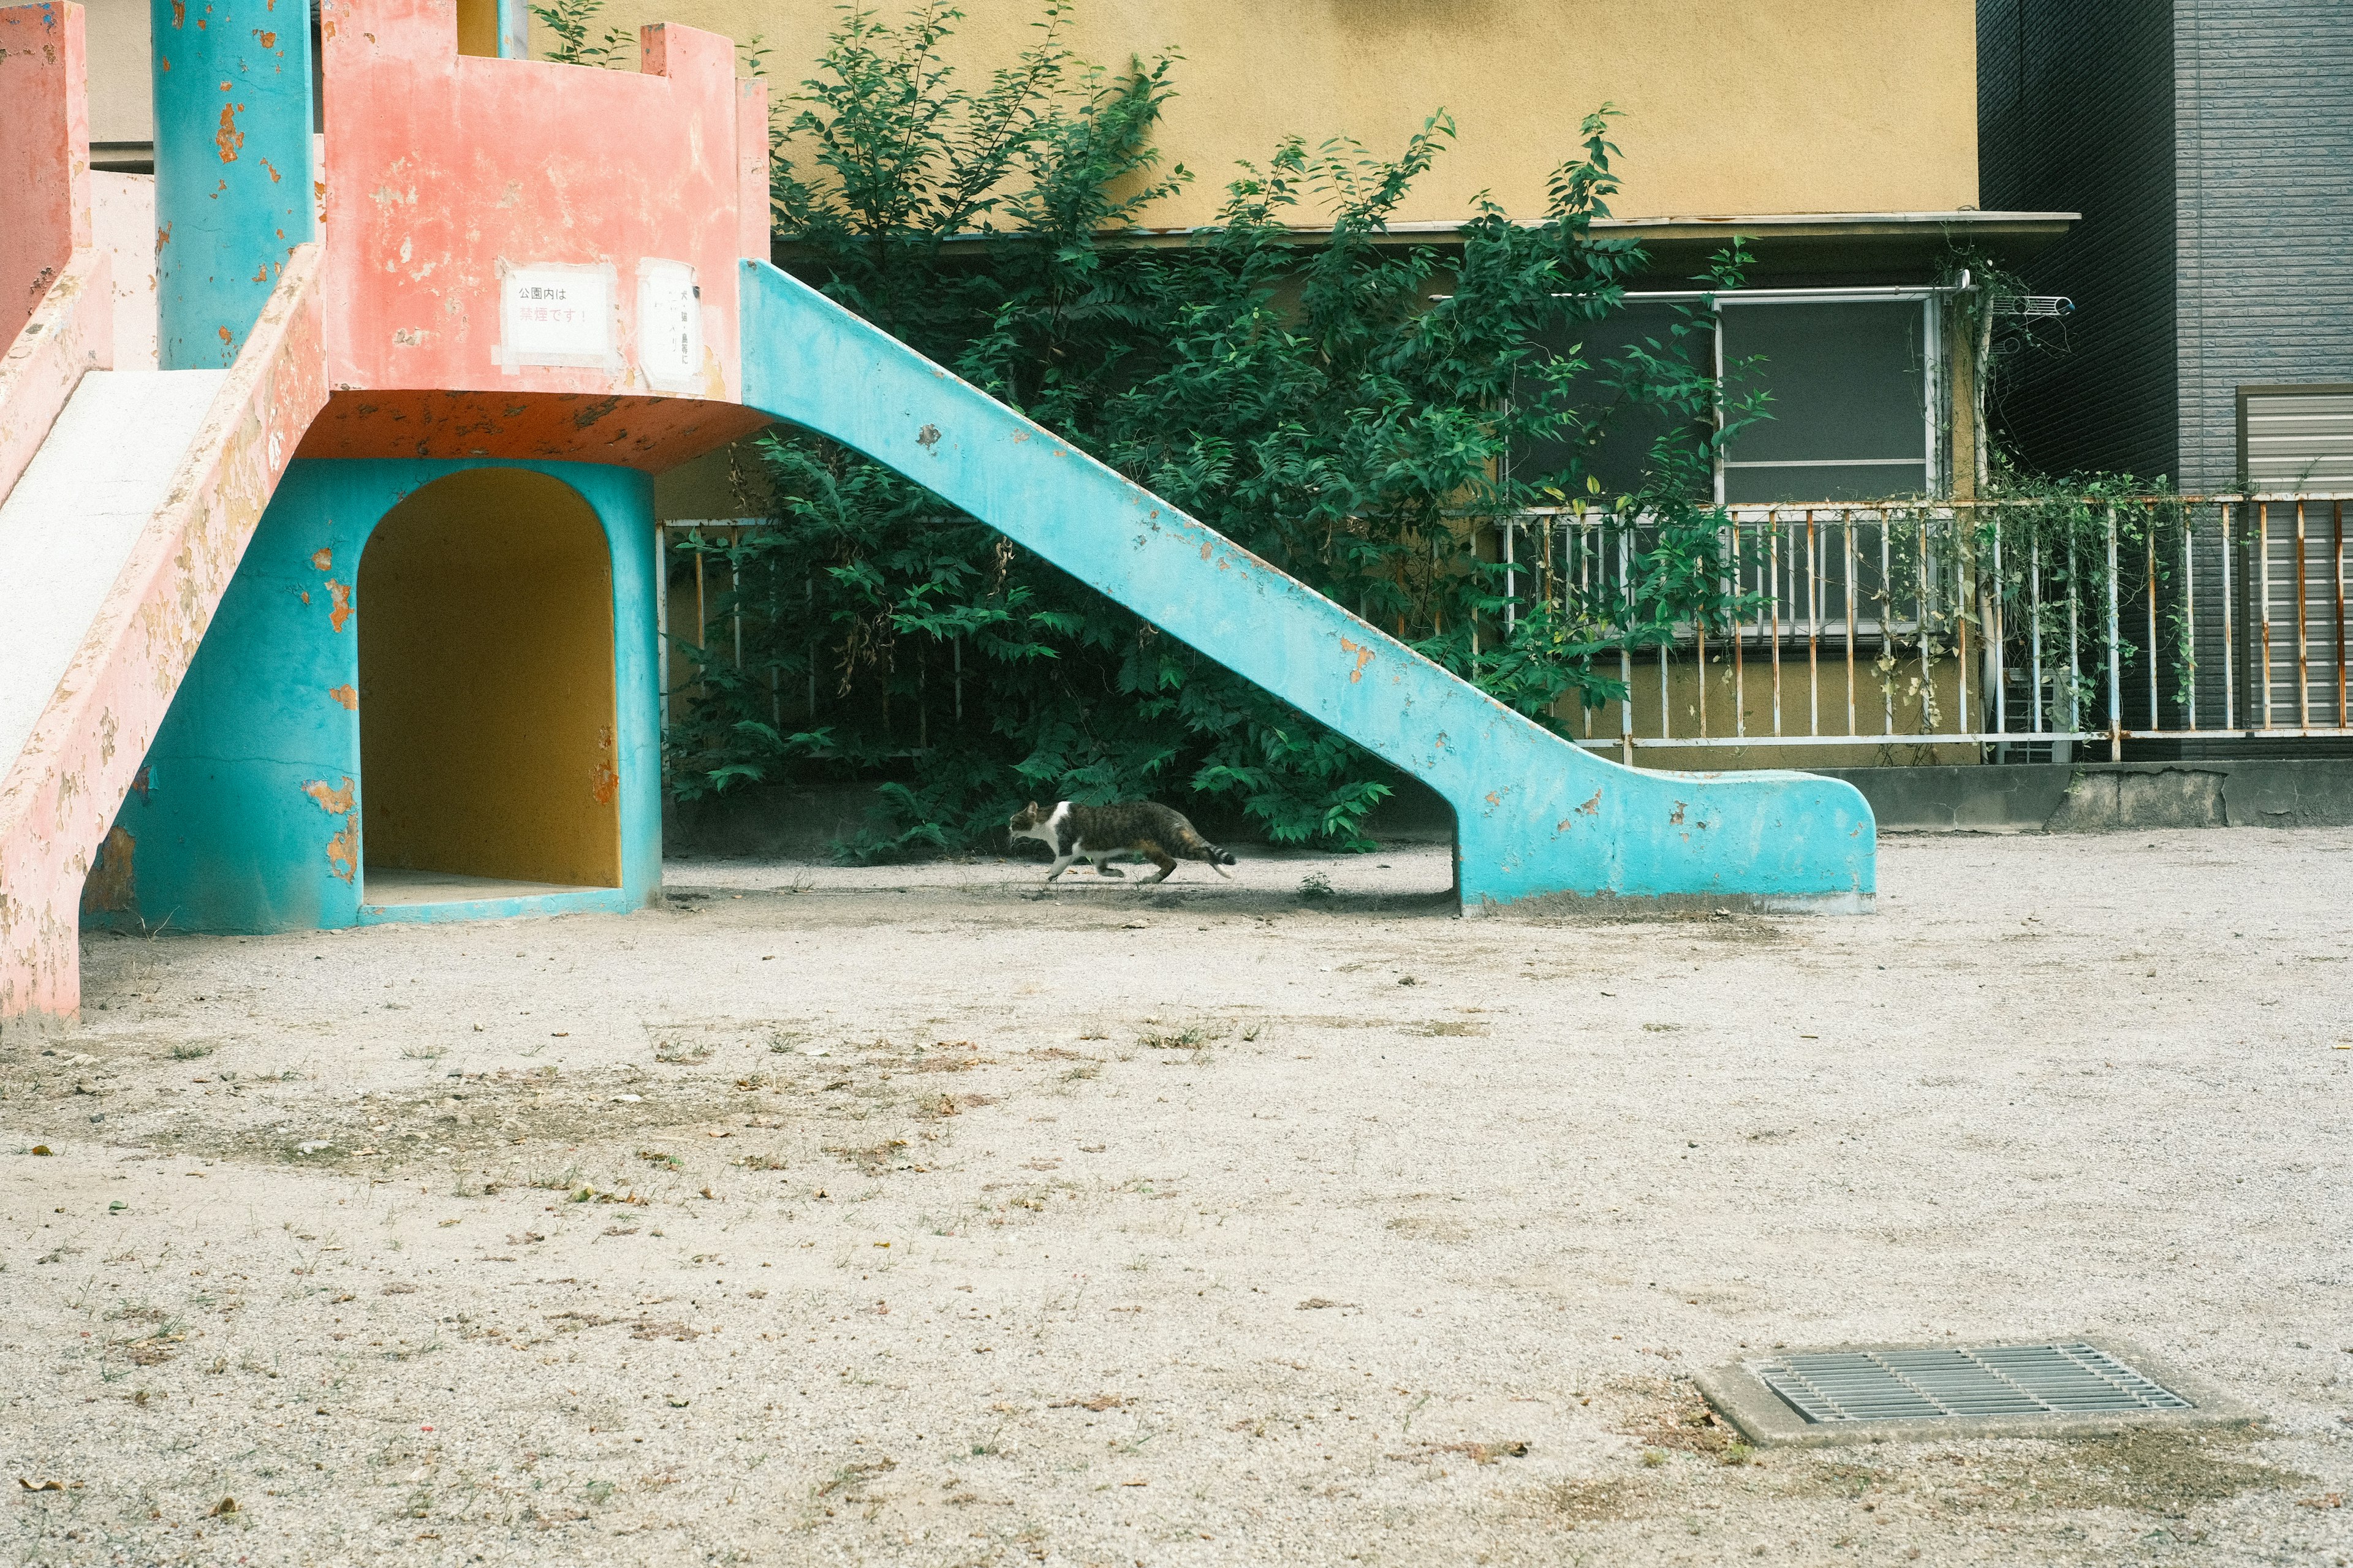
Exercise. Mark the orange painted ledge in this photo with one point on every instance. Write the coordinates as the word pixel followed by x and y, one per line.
pixel 630 430
pixel 63 791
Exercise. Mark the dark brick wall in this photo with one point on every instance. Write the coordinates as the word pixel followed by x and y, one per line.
pixel 2263 103
pixel 2076 113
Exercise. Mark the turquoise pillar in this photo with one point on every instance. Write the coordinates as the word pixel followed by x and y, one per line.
pixel 514 30
pixel 233 183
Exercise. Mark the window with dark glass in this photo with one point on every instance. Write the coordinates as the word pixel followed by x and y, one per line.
pixel 1848 395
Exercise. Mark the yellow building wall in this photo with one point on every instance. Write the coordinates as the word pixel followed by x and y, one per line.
pixel 486 697
pixel 1731 106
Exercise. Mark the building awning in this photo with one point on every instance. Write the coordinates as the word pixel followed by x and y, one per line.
pixel 1809 247
pixel 1832 244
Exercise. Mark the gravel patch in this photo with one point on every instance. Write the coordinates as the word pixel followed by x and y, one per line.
pixel 907 1215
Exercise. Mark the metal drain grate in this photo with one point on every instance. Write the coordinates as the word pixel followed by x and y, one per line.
pixel 1975 1381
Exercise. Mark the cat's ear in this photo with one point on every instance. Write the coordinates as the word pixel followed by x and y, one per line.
pixel 1035 807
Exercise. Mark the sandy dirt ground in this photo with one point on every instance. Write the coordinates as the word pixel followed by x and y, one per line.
pixel 912 1216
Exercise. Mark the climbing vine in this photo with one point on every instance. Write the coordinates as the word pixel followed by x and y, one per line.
pixel 1346 409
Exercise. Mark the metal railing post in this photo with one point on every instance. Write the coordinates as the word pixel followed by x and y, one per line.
pixel 662 624
pixel 1846 529
pixel 1773 596
pixel 1962 599
pixel 2000 640
pixel 2190 611
pixel 2263 596
pixel 1813 628
pixel 2303 662
pixel 2034 635
pixel 1739 667
pixel 2074 646
pixel 2155 721
pixel 1926 588
pixel 2116 670
pixel 1626 654
pixel 2336 573
pixel 1886 633
pixel 2230 632
pixel 1511 579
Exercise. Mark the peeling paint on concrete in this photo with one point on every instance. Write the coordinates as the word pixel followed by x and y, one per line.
pixel 343 850
pixel 61 796
pixel 111 886
pixel 463 164
pixel 234 119
pixel 240 755
pixel 44 155
pixel 334 802
pixel 347 695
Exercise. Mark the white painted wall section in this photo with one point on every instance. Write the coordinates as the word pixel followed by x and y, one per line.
pixel 122 220
pixel 70 523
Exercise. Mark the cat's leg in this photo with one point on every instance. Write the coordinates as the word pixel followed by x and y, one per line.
pixel 1061 864
pixel 1158 857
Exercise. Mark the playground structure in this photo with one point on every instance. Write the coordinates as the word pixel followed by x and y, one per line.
pixel 341 610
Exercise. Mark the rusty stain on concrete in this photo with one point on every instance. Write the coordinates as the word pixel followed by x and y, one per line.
pixel 343 850
pixel 109 886
pixel 322 559
pixel 339 594
pixel 606 780
pixel 346 695
pixel 229 140
pixel 1363 653
pixel 594 411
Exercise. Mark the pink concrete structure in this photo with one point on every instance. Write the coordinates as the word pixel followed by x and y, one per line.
pixel 44 152
pixel 62 791
pixel 55 282
pixel 448 176
pixel 523 262
pixel 71 331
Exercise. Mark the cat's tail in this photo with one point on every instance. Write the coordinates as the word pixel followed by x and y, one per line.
pixel 1196 847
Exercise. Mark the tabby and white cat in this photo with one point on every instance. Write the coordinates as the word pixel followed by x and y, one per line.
pixel 1096 833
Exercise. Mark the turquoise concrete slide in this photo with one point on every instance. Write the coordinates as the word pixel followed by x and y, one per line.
pixel 1536 816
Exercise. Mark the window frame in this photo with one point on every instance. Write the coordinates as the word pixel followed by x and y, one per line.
pixel 2244 477
pixel 1936 423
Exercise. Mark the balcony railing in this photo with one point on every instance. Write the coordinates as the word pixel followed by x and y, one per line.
pixel 2003 629
pixel 2008 624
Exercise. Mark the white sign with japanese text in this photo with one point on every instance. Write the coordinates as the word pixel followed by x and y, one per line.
pixel 669 324
pixel 556 314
